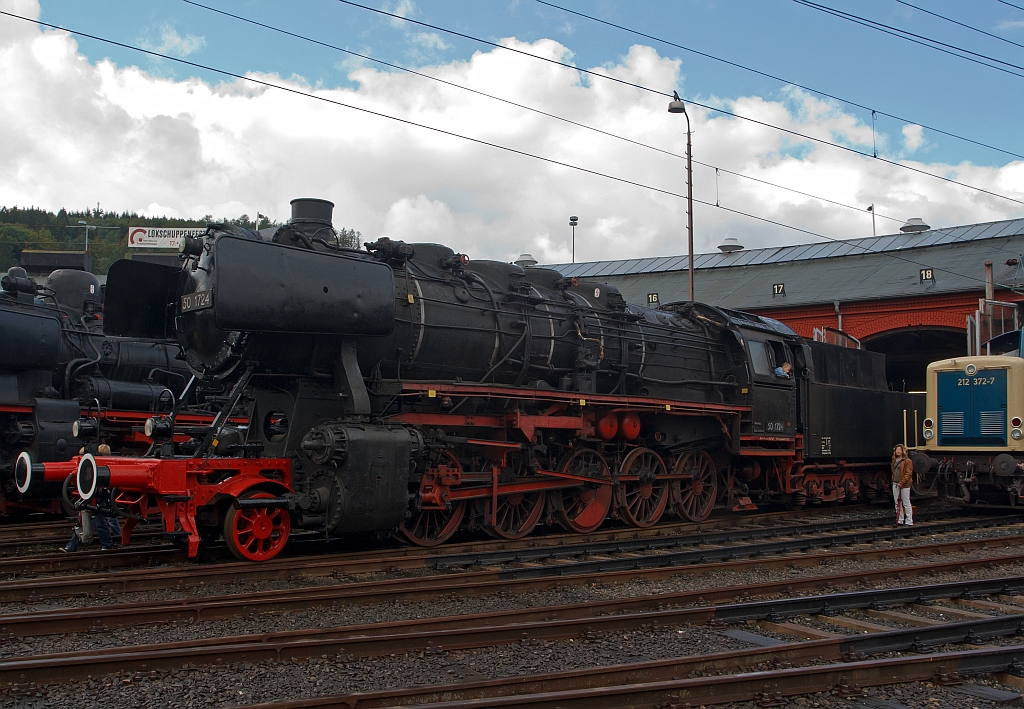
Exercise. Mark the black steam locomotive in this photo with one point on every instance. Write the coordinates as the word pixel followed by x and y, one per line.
pixel 405 387
pixel 64 385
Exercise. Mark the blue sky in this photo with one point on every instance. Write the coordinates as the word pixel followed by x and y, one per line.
pixel 777 36
pixel 85 122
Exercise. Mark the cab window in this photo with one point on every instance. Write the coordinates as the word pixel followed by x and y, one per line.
pixel 759 357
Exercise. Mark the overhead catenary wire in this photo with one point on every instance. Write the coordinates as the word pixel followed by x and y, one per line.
pixel 962 24
pixel 406 121
pixel 1019 7
pixel 780 79
pixel 531 109
pixel 658 92
pixel 935 44
pixel 324 99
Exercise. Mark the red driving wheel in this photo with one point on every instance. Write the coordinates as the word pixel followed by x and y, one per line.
pixel 428 528
pixel 256 533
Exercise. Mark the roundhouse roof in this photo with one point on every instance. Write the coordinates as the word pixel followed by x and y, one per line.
pixel 886 266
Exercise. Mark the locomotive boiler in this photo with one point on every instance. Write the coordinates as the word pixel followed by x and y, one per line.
pixel 406 387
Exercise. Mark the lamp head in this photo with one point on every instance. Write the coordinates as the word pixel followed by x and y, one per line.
pixel 676 105
pixel 573 221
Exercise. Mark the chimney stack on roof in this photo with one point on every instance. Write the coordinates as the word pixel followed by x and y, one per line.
pixel 914 225
pixel 730 244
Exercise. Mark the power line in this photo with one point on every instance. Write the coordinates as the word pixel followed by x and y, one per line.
pixel 529 108
pixel 405 121
pixel 780 79
pixel 916 38
pixel 691 101
pixel 478 141
pixel 1010 4
pixel 957 22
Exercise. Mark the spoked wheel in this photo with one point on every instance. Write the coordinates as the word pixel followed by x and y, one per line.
pixel 583 508
pixel 69 495
pixel 642 502
pixel 695 497
pixel 256 533
pixel 428 528
pixel 518 514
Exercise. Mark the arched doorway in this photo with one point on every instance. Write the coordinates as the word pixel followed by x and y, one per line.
pixel 908 352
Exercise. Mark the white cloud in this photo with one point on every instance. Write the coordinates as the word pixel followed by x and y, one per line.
pixel 1010 25
pixel 913 137
pixel 170 42
pixel 403 8
pixel 77 133
pixel 430 40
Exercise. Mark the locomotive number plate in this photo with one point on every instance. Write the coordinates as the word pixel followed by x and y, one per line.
pixel 200 300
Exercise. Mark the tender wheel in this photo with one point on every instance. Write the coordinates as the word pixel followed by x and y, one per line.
pixel 695 497
pixel 518 514
pixel 642 502
pixel 428 528
pixel 256 534
pixel 583 508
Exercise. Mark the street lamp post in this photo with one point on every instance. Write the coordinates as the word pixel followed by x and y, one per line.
pixel 677 106
pixel 86 225
pixel 573 221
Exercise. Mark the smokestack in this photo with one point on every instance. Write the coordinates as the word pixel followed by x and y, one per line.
pixel 312 211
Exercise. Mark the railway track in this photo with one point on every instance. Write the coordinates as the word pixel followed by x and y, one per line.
pixel 659 684
pixel 787 614
pixel 302 547
pixel 602 554
pixel 935 626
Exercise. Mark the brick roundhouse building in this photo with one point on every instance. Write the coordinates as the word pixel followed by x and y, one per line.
pixel 907 295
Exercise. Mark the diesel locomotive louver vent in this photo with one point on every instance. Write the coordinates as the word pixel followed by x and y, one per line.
pixel 993 423
pixel 951 423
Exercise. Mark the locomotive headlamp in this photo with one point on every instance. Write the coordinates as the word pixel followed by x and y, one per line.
pixel 1015 422
pixel 928 423
pixel 928 434
pixel 970 370
pixel 158 428
pixel 84 428
pixel 1016 434
pixel 191 246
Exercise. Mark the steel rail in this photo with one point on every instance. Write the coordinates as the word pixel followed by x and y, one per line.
pixel 209 608
pixel 150 555
pixel 490 629
pixel 397 558
pixel 642 691
pixel 800 543
pixel 487 557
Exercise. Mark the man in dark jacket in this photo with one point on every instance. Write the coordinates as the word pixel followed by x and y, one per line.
pixel 902 477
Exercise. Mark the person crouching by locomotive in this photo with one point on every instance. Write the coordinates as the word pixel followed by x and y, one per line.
pixel 902 477
pixel 100 520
